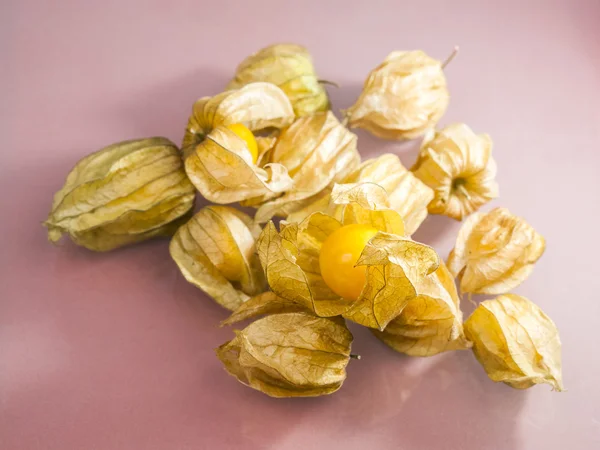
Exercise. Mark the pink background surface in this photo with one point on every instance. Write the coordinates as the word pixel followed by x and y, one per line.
pixel 115 351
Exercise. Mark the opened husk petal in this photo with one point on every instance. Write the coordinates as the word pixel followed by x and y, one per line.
pixel 494 252
pixel 458 165
pixel 395 264
pixel 317 151
pixel 221 169
pixel 431 321
pixel 407 195
pixel 124 193
pixel 289 67
pixel 216 251
pixel 402 98
pixel 515 342
pixel 290 355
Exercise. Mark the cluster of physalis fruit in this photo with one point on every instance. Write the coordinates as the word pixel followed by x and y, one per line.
pixel 342 249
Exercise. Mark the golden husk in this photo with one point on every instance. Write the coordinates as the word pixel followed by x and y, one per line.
pixel 458 165
pixel 515 342
pixel 289 67
pixel 218 162
pixel 317 151
pixel 396 264
pixel 216 251
pixel 290 355
pixel 494 252
pixel 402 98
pixel 430 322
pixel 407 195
pixel 122 194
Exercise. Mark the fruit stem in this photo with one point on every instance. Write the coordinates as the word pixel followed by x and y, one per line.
pixel 451 57
pixel 353 356
pixel 460 188
pixel 330 83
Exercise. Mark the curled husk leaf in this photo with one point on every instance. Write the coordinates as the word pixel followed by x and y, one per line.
pixel 216 251
pixel 494 252
pixel 402 97
pixel 408 195
pixel 290 355
pixel 515 342
pixel 395 263
pixel 289 67
pixel 317 151
pixel 458 165
pixel 218 162
pixel 431 322
pixel 125 193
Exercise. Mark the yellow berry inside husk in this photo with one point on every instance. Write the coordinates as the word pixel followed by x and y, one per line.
pixel 338 257
pixel 246 135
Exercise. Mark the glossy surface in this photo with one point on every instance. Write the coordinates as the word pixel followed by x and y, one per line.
pixel 338 257
pixel 246 135
pixel 115 351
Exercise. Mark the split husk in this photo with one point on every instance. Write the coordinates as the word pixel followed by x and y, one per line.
pixel 402 98
pixel 407 195
pixel 515 342
pixel 494 252
pixel 218 162
pixel 125 193
pixel 395 263
pixel 431 321
pixel 290 67
pixel 216 251
pixel 317 151
pixel 458 165
pixel 290 355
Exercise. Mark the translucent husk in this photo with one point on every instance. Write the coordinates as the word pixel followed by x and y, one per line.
pixel 289 67
pixel 125 193
pixel 515 342
pixel 216 251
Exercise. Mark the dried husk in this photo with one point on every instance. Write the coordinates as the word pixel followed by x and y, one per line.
pixel 216 251
pixel 262 305
pixel 408 195
pixel 458 165
pixel 515 342
pixel 430 322
pixel 124 193
pixel 290 67
pixel 395 263
pixel 290 355
pixel 218 162
pixel 317 151
pixel 494 252
pixel 402 98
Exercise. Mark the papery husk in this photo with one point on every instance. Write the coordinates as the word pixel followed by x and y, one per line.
pixel 494 252
pixel 216 251
pixel 290 355
pixel 258 106
pixel 396 266
pixel 317 151
pixel 290 259
pixel 218 162
pixel 402 98
pixel 515 342
pixel 125 193
pixel 222 170
pixel 262 305
pixel 290 67
pixel 407 195
pixel 430 322
pixel 458 165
